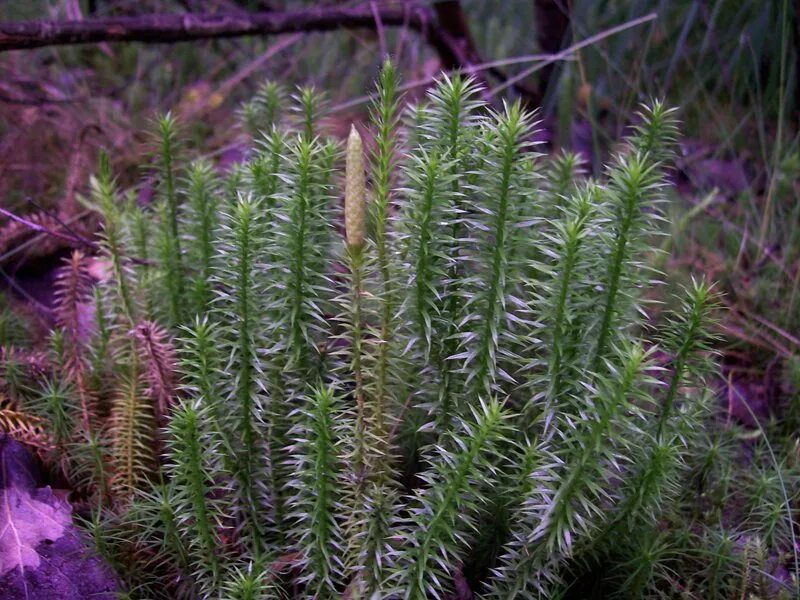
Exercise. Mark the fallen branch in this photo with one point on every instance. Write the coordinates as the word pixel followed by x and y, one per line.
pixel 166 28
pixel 71 237
pixel 444 29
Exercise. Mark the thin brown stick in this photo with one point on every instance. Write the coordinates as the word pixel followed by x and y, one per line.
pixel 41 229
pixel 71 237
pixel 444 29
pixel 166 28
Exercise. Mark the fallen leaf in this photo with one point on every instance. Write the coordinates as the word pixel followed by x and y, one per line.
pixel 26 522
pixel 42 555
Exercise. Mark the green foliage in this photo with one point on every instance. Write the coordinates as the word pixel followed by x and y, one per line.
pixel 131 428
pixel 202 192
pixel 169 241
pixel 238 310
pixel 490 290
pixel 12 329
pixel 191 452
pixel 263 112
pixel 444 512
pixel 316 487
pixel 477 393
pixel 104 200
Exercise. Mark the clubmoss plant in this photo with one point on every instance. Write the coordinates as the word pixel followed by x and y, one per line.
pixel 169 245
pixel 468 389
pixel 316 532
pixel 260 114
